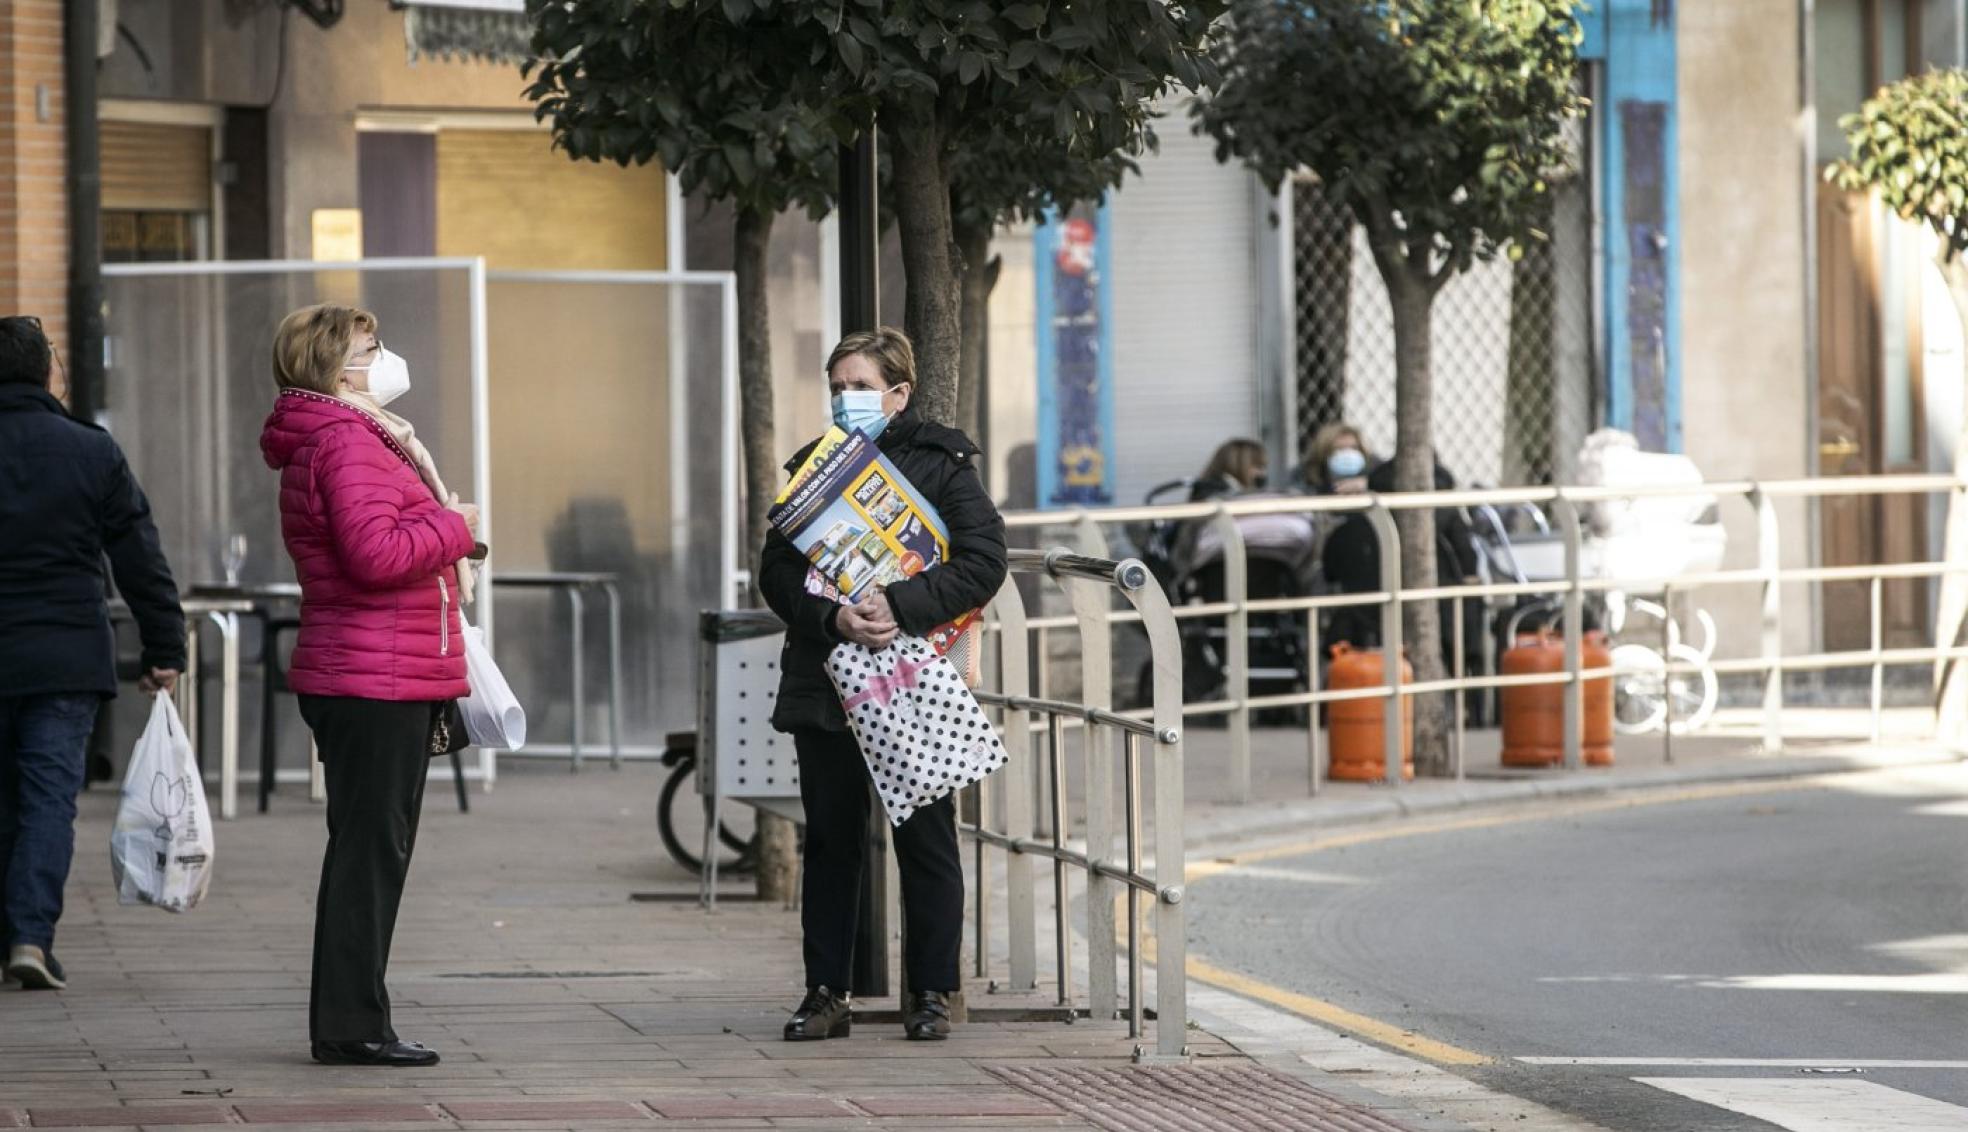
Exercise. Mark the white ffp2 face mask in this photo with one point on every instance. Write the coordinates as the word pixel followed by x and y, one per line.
pixel 389 376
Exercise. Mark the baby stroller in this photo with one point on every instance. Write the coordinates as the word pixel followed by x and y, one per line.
pixel 1644 539
pixel 1280 553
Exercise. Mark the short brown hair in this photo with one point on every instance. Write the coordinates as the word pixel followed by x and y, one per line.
pixel 887 346
pixel 1241 458
pixel 312 345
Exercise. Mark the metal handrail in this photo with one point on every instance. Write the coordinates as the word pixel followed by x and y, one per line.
pixel 1090 581
pixel 1769 575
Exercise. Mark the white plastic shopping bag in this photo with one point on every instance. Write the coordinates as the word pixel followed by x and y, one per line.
pixel 921 731
pixel 493 715
pixel 161 848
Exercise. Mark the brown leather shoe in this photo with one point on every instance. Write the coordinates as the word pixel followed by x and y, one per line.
pixel 928 1019
pixel 821 1015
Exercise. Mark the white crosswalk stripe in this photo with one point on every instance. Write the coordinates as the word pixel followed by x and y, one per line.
pixel 1819 1105
pixel 1827 1063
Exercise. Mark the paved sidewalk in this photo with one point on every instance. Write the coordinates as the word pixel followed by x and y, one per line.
pixel 559 1001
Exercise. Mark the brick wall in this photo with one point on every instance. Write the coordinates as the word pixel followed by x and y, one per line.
pixel 33 189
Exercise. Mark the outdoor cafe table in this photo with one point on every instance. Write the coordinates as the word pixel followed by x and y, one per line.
pixel 574 584
pixel 222 614
pixel 276 608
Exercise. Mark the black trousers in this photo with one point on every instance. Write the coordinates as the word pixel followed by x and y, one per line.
pixel 375 756
pixel 837 792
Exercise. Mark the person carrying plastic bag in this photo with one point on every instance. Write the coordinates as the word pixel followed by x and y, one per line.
pixel 161 849
pixel 871 375
pixel 382 552
pixel 67 502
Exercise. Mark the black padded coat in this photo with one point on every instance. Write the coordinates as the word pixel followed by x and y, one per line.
pixel 937 460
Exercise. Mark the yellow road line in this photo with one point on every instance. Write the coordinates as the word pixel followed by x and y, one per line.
pixel 1337 1017
pixel 1317 1009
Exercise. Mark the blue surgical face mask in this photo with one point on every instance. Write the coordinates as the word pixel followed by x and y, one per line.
pixel 860 410
pixel 1346 463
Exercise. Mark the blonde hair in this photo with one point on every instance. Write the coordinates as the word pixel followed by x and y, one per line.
pixel 312 345
pixel 888 347
pixel 1237 459
pixel 1327 441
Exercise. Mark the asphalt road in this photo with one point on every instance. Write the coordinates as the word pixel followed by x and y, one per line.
pixel 1800 932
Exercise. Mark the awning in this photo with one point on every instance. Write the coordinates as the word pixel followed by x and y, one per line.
pixel 489 31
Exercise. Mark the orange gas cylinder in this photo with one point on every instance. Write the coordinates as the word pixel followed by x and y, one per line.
pixel 1534 715
pixel 1358 726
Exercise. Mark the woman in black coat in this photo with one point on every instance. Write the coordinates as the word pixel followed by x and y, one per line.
pixel 871 375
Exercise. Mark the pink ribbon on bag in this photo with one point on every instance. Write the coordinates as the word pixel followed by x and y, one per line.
pixel 881 688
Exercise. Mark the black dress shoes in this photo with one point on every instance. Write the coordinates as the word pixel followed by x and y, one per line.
pixel 821 1015
pixel 390 1054
pixel 928 1020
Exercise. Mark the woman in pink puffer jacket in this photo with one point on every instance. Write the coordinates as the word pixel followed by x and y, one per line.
pixel 380 550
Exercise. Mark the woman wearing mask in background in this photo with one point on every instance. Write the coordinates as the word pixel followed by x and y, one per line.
pixel 1338 462
pixel 379 547
pixel 1240 465
pixel 872 374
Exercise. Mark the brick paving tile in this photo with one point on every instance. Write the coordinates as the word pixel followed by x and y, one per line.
pixel 133 1114
pixel 868 1079
pixel 944 1102
pixel 752 1107
pixel 639 1124
pixel 545 1110
pixel 365 1126
pixel 335 1112
pixel 1225 1099
pixel 556 1002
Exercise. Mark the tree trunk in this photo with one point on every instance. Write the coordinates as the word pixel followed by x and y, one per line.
pixel 1413 300
pixel 980 276
pixel 1951 676
pixel 751 242
pixel 921 192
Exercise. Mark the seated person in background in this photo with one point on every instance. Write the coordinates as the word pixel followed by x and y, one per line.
pixel 1351 562
pixel 1337 462
pixel 1240 465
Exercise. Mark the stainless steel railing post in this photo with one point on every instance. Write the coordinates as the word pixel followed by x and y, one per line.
pixel 1014 668
pixel 1062 931
pixel 1236 674
pixel 1394 734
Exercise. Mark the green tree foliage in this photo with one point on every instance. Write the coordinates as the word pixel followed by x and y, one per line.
pixel 1438 124
pixel 724 82
pixel 1910 145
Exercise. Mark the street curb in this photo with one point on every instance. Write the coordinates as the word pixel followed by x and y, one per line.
pixel 1253 823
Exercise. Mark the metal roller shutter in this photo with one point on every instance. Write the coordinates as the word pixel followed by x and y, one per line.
pixel 1185 311
pixel 147 167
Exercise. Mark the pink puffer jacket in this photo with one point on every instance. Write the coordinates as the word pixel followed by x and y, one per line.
pixel 375 552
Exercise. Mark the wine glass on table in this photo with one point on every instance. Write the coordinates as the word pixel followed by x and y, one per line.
pixel 233 558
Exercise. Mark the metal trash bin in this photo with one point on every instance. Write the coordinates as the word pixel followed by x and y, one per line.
pixel 740 757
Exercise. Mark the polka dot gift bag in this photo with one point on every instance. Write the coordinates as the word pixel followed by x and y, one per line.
pixel 924 735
